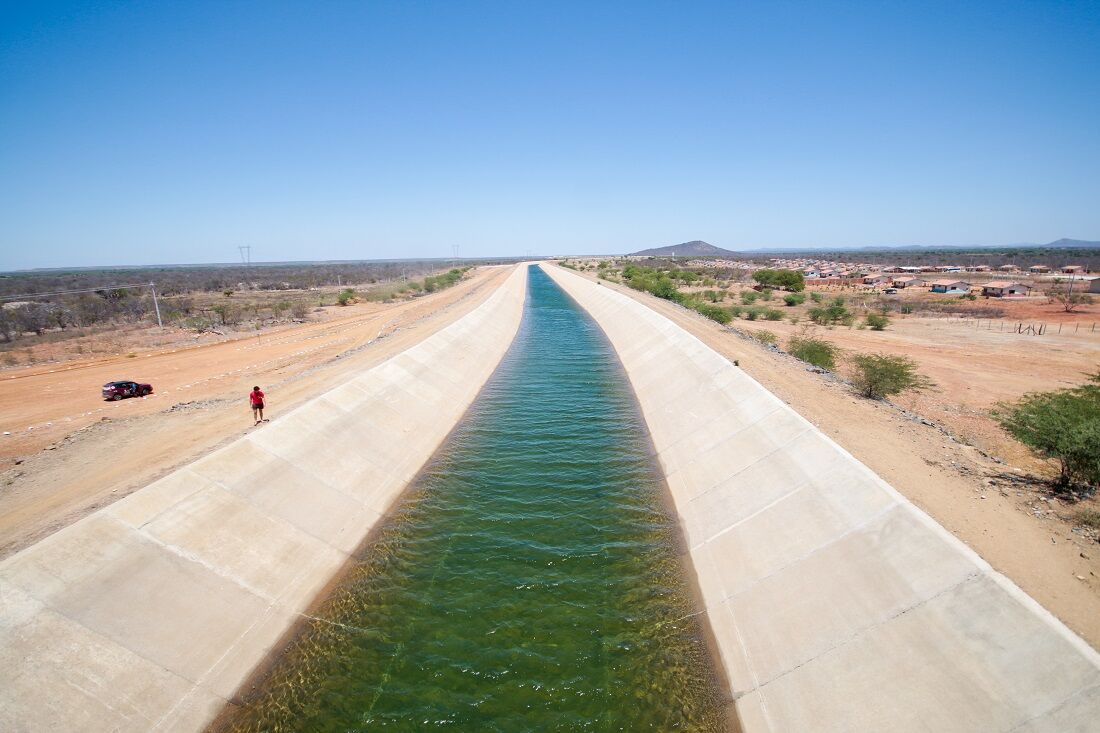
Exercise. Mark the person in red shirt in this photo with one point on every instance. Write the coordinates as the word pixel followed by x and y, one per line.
pixel 256 397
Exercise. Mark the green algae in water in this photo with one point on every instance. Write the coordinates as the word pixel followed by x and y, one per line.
pixel 531 581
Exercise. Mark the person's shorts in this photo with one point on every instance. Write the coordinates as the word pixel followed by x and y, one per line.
pixel 257 405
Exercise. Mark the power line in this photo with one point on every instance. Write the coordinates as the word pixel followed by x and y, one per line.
pixel 152 286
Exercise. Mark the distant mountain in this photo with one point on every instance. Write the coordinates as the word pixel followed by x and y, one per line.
pixel 1074 243
pixel 694 248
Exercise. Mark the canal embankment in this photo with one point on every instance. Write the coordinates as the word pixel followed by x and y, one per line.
pixel 150 613
pixel 836 604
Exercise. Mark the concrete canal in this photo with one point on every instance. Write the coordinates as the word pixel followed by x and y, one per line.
pixel 529 582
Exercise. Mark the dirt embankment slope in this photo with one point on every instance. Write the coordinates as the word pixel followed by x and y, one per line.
pixel 981 501
pixel 78 461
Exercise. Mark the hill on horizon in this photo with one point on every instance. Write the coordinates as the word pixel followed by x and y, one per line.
pixel 694 248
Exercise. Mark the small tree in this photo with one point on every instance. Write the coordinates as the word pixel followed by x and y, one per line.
pixel 299 309
pixel 346 297
pixel 1063 294
pixel 1063 425
pixel 877 376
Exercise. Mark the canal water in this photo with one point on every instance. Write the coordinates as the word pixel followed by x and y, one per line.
pixel 529 582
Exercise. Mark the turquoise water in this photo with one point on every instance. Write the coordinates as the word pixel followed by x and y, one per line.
pixel 530 582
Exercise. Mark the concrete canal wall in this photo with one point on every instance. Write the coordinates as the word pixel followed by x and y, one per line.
pixel 835 603
pixel 149 614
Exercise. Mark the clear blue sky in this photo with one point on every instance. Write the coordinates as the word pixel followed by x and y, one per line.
pixel 135 133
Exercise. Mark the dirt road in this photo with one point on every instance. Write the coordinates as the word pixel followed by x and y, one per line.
pixel 84 453
pixel 988 505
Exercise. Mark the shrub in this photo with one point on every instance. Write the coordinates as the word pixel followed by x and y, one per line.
pixel 877 322
pixel 793 299
pixel 1088 518
pixel 877 376
pixel 1063 425
pixel 714 313
pixel 765 294
pixel 817 297
pixel 752 313
pixel 771 314
pixel 346 297
pixel 765 337
pixel 299 309
pixel 834 312
pixel 735 310
pixel 748 297
pixel 818 352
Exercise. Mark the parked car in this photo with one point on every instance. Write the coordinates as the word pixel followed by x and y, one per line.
pixel 890 291
pixel 118 390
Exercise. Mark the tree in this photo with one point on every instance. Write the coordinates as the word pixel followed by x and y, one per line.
pixel 787 279
pixel 346 297
pixel 1063 425
pixel 1065 297
pixel 877 376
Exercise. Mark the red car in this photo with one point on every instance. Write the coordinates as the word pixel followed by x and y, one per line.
pixel 118 390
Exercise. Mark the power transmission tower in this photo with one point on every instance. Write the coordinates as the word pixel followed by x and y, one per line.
pixel 246 254
pixel 454 260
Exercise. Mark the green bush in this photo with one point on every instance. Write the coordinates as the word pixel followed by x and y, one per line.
pixel 735 310
pixel 880 375
pixel 765 337
pixel 818 352
pixel 876 322
pixel 1063 425
pixel 714 313
pixel 771 314
pixel 748 297
pixel 793 299
pixel 765 294
pixel 752 313
pixel 817 297
pixel 833 313
pixel 787 279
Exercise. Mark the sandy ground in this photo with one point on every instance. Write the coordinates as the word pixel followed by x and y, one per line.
pixel 992 506
pixel 84 453
pixel 974 366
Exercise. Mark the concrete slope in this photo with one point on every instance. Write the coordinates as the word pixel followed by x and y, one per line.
pixel 149 614
pixel 835 603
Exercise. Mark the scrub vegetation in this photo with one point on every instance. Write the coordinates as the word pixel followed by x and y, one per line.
pixel 59 305
pixel 877 376
pixel 1064 426
pixel 811 350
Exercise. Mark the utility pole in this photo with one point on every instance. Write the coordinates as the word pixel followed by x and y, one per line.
pixel 454 260
pixel 156 305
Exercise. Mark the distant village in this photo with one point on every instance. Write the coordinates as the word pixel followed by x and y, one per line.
pixel 1005 281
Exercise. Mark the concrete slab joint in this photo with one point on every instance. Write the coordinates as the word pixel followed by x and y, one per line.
pixel 836 605
pixel 150 613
